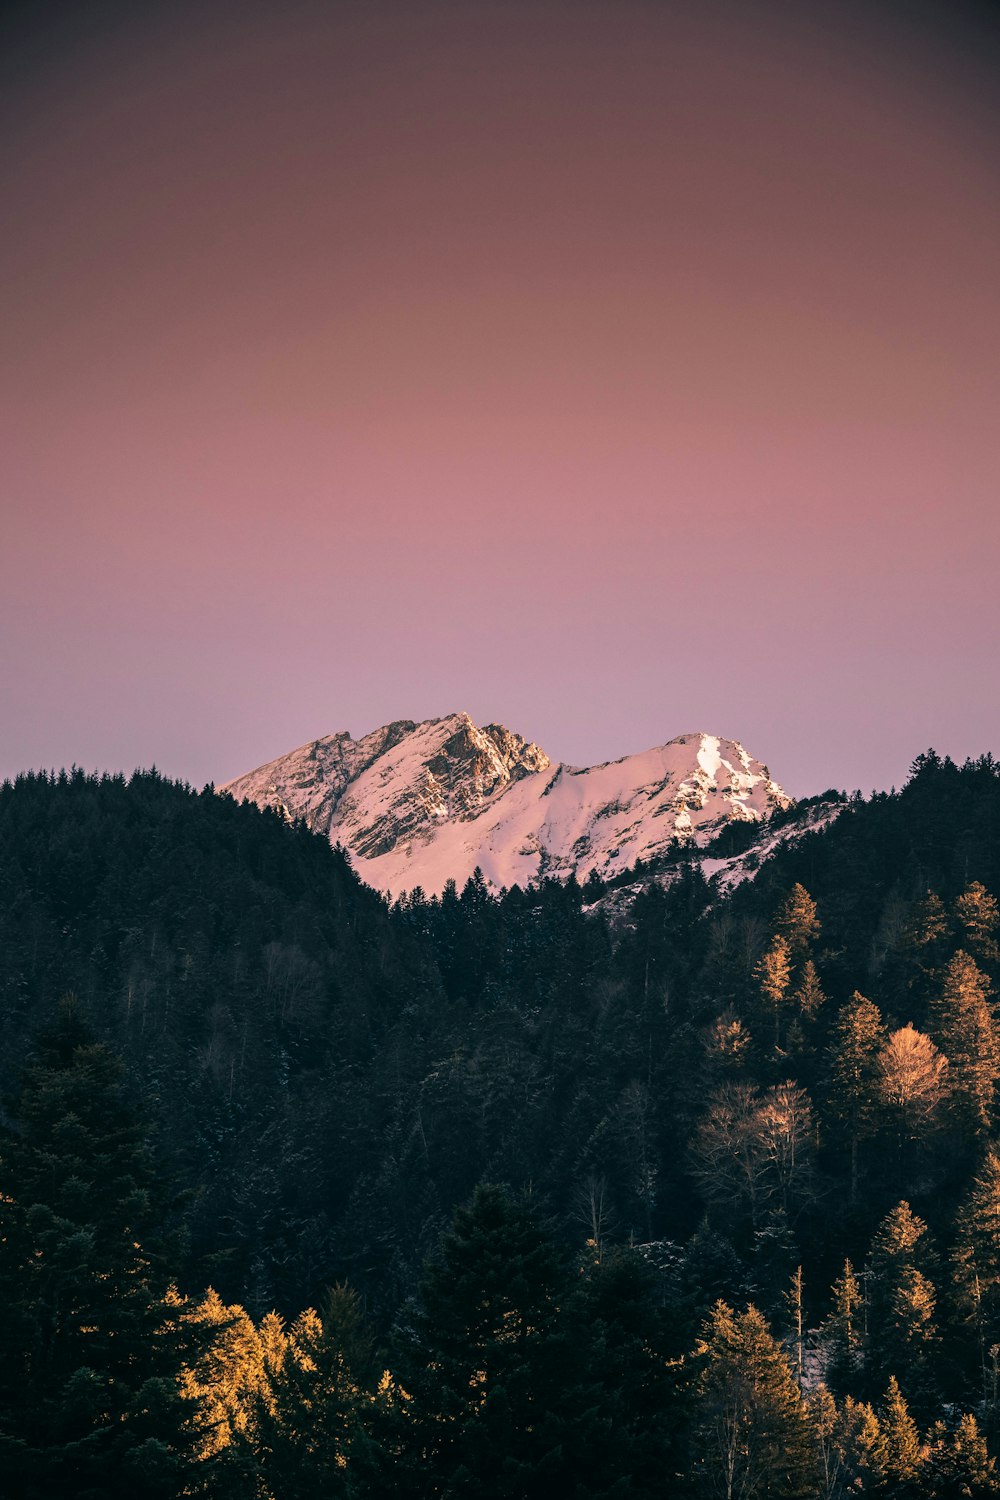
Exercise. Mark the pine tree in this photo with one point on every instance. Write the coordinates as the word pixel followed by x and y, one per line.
pixel 902 1454
pixel 824 1419
pixel 637 1381
pixel 228 1380
pixel 796 921
pixel 977 1259
pixel 958 1465
pixel 978 916
pixel 92 1344
pixel 928 924
pixel 841 1333
pixel 858 1038
pixel 773 974
pixel 808 995
pixel 913 1084
pixel 902 1323
pixel 861 1448
pixel 751 1427
pixel 316 1420
pixel 966 1030
pixel 497 1403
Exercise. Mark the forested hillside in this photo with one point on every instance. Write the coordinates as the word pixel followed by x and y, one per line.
pixel 495 1195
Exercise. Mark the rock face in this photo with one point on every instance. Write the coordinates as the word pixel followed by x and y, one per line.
pixel 419 804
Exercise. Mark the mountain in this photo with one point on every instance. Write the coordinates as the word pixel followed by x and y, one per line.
pixel 419 804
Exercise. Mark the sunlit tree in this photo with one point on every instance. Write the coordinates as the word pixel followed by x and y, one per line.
pixel 978 916
pixel 903 1329
pixel 773 974
pixel 912 1083
pixel 966 1030
pixel 752 1432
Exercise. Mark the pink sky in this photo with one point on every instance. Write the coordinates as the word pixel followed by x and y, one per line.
pixel 613 370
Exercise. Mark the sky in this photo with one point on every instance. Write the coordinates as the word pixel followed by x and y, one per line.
pixel 606 368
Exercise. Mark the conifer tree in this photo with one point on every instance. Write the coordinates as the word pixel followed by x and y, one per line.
pixel 928 924
pixel 913 1085
pixel 959 1466
pixel 637 1381
pixel 861 1448
pixel 902 1455
pixel 92 1343
pixel 824 1419
pixel 228 1380
pixel 841 1333
pixel 902 1322
pixel 808 995
pixel 497 1402
pixel 977 1259
pixel 751 1429
pixel 796 921
pixel 773 974
pixel 966 1030
pixel 316 1420
pixel 978 916
pixel 858 1038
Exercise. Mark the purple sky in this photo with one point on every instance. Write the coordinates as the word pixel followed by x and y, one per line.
pixel 612 370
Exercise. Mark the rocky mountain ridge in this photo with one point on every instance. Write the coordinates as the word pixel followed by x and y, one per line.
pixel 417 804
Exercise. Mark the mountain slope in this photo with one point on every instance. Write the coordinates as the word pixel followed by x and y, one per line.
pixel 419 804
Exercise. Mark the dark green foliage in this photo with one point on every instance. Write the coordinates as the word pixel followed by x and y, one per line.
pixel 958 1465
pixel 752 1433
pixel 903 1330
pixel 90 1343
pixel 966 1030
pixel 312 1435
pixel 698 1076
pixel 500 1395
pixel 626 1341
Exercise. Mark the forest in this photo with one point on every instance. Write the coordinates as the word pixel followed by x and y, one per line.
pixel 306 1194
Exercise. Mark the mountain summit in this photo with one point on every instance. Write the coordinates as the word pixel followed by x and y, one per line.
pixel 419 804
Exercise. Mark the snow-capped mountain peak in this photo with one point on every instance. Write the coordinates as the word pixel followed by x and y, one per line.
pixel 422 803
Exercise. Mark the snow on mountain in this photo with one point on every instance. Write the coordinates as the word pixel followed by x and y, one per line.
pixel 419 804
pixel 726 873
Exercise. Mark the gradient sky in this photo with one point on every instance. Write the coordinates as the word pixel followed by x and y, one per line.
pixel 612 370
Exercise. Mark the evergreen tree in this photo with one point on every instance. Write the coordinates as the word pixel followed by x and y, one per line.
pixel 902 1321
pixel 927 928
pixel 229 1382
pixel 966 1029
pixel 858 1038
pixel 751 1433
pixel 913 1085
pixel 841 1333
pixel 773 974
pixel 496 1401
pixel 92 1343
pixel 860 1446
pixel 824 1419
pixel 808 995
pixel 637 1380
pixel 902 1455
pixel 797 923
pixel 978 916
pixel 958 1465
pixel 977 1260
pixel 316 1420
